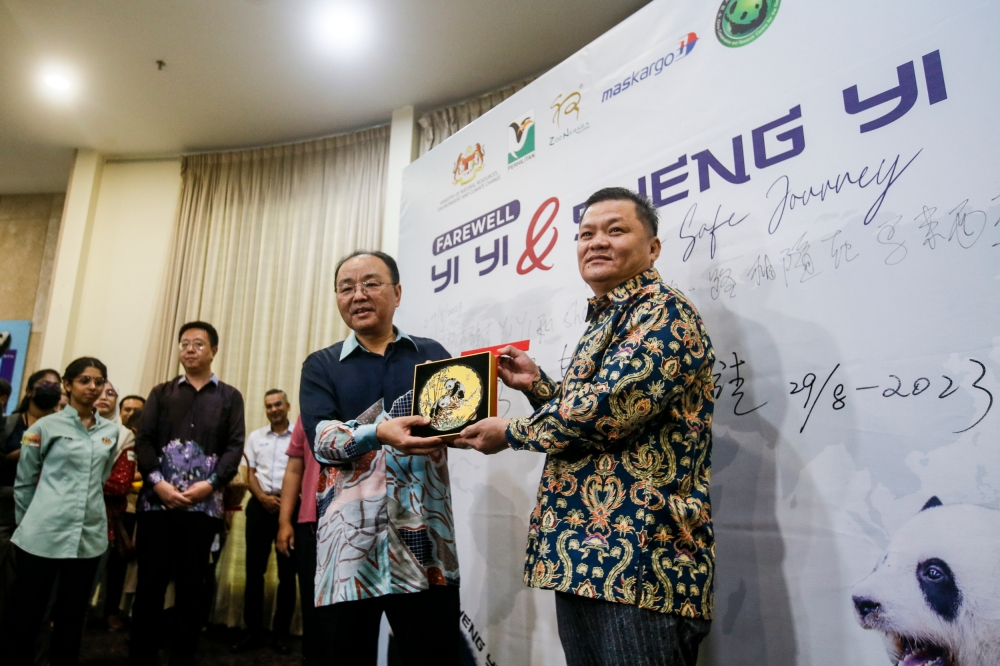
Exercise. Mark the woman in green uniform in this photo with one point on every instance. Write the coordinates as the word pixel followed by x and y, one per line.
pixel 62 526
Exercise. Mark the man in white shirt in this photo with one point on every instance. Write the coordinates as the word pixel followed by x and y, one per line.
pixel 265 451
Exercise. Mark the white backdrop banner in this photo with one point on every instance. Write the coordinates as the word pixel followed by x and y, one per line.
pixel 827 181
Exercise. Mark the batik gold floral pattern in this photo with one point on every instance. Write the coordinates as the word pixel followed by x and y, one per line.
pixel 623 509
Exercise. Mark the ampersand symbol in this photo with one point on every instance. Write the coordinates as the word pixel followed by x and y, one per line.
pixel 532 239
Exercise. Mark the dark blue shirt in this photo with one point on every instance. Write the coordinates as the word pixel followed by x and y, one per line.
pixel 340 386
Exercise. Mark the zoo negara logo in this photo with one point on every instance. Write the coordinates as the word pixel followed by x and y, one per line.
pixel 739 22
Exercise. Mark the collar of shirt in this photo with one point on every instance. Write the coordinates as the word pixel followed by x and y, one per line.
pixel 622 293
pixel 351 343
pixel 184 380
pixel 69 412
pixel 288 431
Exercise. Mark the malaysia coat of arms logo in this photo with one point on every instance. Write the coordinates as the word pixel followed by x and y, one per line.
pixel 469 164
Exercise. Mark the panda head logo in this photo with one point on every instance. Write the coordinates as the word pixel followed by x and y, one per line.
pixel 739 22
pixel 935 594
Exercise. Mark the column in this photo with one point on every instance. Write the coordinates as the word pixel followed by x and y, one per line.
pixel 403 144
pixel 71 259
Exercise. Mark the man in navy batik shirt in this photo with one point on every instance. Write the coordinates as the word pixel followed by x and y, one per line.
pixel 385 529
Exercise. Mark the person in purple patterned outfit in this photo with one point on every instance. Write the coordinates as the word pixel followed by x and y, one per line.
pixel 188 447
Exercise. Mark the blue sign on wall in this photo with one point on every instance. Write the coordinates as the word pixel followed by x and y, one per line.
pixel 14 335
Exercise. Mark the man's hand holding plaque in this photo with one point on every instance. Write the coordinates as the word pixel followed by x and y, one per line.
pixel 488 436
pixel 516 370
pixel 397 433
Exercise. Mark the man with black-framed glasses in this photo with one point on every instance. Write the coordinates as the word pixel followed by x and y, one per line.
pixel 188 447
pixel 385 530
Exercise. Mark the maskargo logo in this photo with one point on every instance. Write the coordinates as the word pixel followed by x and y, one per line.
pixel 739 22
pixel 654 68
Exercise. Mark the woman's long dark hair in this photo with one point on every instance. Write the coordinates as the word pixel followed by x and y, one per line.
pixel 30 386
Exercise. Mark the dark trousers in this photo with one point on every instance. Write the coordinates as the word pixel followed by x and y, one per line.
pixel 115 571
pixel 170 545
pixel 36 577
pixel 8 560
pixel 261 532
pixel 594 632
pixel 424 628
pixel 305 563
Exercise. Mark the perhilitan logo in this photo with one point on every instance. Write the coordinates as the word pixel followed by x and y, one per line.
pixel 654 68
pixel 521 139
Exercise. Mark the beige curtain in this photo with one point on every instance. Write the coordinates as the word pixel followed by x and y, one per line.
pixel 258 236
pixel 438 125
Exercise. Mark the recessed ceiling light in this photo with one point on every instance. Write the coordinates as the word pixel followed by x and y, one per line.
pixel 340 27
pixel 58 83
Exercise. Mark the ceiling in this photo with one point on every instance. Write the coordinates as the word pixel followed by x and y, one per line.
pixel 244 73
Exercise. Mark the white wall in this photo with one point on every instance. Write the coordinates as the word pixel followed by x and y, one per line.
pixel 125 265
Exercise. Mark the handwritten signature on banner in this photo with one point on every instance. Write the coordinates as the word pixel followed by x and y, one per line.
pixel 732 377
pixel 932 231
pixel 893 388
pixel 664 185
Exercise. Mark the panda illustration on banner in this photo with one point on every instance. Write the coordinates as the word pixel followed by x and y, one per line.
pixel 935 594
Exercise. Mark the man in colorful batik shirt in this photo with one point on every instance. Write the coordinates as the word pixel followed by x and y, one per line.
pixel 622 530
pixel 385 529
pixel 188 447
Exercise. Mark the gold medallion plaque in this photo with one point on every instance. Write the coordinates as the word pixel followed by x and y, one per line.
pixel 451 397
pixel 454 393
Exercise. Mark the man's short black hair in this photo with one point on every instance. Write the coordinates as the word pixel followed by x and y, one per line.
pixel 644 208
pixel 213 335
pixel 275 392
pixel 5 388
pixel 389 262
pixel 132 397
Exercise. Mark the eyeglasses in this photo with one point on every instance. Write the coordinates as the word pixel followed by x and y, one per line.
pixel 367 287
pixel 86 380
pixel 197 344
pixel 111 394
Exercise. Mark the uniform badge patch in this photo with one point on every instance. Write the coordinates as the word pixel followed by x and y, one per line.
pixel 106 440
pixel 31 439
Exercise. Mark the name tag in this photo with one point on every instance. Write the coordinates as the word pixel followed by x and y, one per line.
pixel 130 455
pixel 31 439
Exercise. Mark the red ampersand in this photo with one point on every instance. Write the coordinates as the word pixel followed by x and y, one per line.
pixel 532 239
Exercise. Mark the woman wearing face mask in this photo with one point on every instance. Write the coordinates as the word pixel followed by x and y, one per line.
pixel 41 396
pixel 62 528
